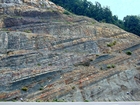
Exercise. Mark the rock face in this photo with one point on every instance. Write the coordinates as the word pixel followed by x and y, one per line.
pixel 49 54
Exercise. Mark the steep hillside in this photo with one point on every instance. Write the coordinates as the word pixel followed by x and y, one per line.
pixel 49 54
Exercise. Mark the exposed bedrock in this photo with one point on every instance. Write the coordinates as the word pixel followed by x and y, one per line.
pixel 50 54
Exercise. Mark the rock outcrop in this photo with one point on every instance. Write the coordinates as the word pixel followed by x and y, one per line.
pixel 50 54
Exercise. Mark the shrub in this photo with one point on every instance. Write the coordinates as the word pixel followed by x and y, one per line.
pixel 49 64
pixel 114 43
pixel 41 88
pixel 113 66
pixel 128 52
pixel 39 64
pixel 101 68
pixel 97 55
pixel 24 88
pixel 39 101
pixel 86 101
pixel 90 60
pixel 109 66
pixel 73 87
pixel 111 44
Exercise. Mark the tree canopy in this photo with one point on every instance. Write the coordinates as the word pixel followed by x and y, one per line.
pixel 132 24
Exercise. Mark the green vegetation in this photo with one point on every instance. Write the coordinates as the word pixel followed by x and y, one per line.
pixel 132 24
pixel 66 12
pixel 97 55
pixel 38 101
pixel 28 31
pixel 41 88
pixel 128 52
pixel 102 14
pixel 111 66
pixel 49 64
pixel 56 100
pixel 39 64
pixel 111 44
pixel 90 59
pixel 14 100
pixel 24 88
pixel 101 68
pixel 73 87
pixel 86 101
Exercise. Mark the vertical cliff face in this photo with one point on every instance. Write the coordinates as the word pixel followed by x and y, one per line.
pixel 49 54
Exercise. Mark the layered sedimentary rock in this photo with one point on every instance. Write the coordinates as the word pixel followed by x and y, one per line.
pixel 47 54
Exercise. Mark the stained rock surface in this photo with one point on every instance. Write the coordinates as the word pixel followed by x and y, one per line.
pixel 49 54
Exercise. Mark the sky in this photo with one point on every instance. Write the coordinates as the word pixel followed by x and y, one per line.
pixel 121 8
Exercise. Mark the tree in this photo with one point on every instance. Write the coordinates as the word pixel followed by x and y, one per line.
pixel 132 24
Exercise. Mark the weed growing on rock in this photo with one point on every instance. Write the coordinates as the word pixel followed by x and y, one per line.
pixel 109 66
pixel 49 64
pixel 24 88
pixel 128 52
pixel 101 68
pixel 38 101
pixel 111 44
pixel 86 101
pixel 73 87
pixel 28 31
pixel 39 64
pixel 41 88
pixel 113 66
pixel 97 55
